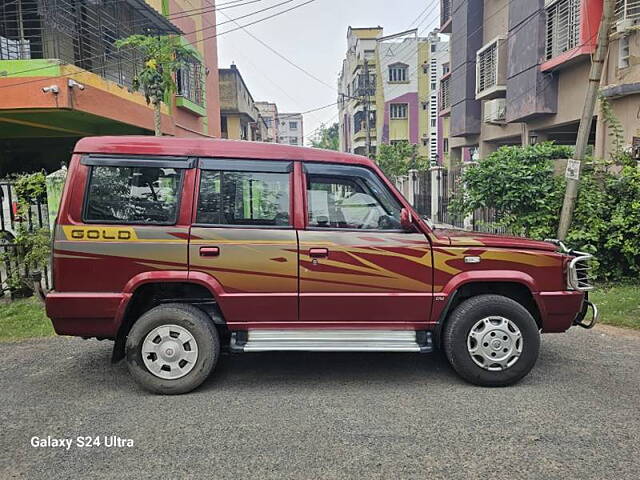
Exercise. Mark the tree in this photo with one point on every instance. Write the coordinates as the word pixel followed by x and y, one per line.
pixel 163 57
pixel 327 137
pixel 398 158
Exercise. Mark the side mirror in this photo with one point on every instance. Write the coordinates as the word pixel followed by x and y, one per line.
pixel 406 220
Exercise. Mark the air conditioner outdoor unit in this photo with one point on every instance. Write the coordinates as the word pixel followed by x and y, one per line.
pixel 624 24
pixel 495 111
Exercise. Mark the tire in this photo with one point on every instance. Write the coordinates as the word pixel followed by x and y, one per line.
pixel 499 325
pixel 184 349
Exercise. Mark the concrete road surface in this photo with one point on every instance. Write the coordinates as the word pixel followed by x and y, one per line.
pixel 278 415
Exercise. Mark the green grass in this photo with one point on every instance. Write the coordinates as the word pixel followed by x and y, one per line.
pixel 22 319
pixel 619 304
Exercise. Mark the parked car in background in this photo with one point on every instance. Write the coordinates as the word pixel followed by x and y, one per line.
pixel 176 248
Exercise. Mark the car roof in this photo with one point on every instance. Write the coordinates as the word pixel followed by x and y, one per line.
pixel 213 147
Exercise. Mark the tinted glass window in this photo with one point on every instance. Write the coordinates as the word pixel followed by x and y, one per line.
pixel 351 201
pixel 243 198
pixel 133 195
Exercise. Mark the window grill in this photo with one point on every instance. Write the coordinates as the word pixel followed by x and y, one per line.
pixel 624 55
pixel 628 10
pixel 563 27
pixel 446 11
pixel 487 67
pixel 77 32
pixel 190 82
pixel 444 93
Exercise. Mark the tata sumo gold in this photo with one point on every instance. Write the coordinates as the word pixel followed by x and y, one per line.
pixel 179 248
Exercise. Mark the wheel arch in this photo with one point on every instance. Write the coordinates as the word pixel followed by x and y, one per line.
pixel 517 290
pixel 150 289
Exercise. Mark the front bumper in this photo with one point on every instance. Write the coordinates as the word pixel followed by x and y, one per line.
pixel 586 307
pixel 561 310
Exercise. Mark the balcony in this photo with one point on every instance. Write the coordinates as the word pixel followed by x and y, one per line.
pixel 569 31
pixel 63 43
pixel 79 32
pixel 363 88
pixel 627 14
pixel 361 135
pixel 445 16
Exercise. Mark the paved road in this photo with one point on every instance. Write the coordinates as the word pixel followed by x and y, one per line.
pixel 387 416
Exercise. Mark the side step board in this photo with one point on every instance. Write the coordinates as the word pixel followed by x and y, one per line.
pixel 308 340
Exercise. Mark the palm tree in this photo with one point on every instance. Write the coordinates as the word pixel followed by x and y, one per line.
pixel 163 57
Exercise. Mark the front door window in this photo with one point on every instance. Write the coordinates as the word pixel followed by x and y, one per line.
pixel 351 198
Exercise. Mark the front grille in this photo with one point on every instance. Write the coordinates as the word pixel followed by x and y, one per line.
pixel 579 272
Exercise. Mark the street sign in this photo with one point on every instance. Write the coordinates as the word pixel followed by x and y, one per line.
pixel 573 170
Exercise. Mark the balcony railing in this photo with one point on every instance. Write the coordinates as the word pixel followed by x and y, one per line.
pixel 628 10
pixel 362 88
pixel 78 32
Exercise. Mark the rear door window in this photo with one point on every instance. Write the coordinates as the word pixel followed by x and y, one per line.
pixel 130 194
pixel 244 193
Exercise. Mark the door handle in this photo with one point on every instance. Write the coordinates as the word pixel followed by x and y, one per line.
pixel 209 251
pixel 318 252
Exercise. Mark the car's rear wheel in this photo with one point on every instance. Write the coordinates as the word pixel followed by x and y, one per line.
pixel 491 340
pixel 172 348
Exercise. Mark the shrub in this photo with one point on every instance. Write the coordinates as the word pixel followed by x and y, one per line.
pixel 621 244
pixel 520 185
pixel 32 244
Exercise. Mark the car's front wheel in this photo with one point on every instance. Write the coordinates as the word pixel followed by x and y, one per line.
pixel 172 348
pixel 491 340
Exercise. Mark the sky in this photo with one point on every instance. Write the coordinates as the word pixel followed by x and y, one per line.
pixel 313 37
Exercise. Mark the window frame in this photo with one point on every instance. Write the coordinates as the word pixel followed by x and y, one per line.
pixel 398 67
pixel 247 165
pixel 624 52
pixel 324 169
pixel 398 104
pixel 184 164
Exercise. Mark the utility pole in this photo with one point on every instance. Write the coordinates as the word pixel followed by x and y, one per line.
pixel 367 107
pixel 595 76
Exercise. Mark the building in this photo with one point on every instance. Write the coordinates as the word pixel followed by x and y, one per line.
pixel 291 128
pixel 394 80
pixel 269 112
pixel 61 78
pixel 240 117
pixel 519 71
pixel 408 73
pixel 357 90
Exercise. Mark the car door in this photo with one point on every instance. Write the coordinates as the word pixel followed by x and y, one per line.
pixel 243 237
pixel 357 266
